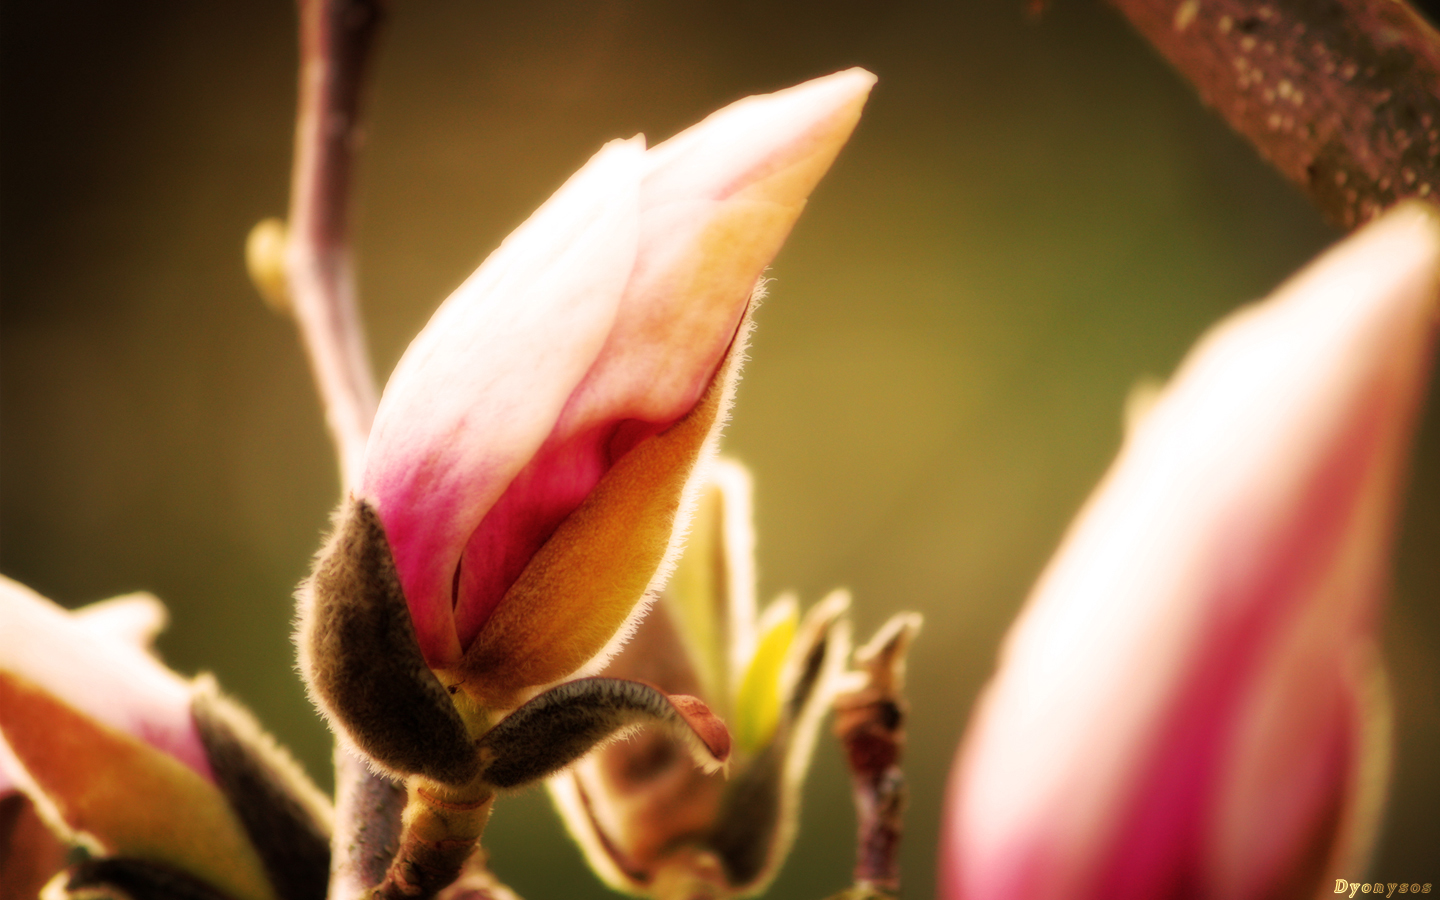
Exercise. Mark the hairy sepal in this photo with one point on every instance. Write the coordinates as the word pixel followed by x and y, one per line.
pixel 362 662
pixel 123 878
pixel 563 724
pixel 286 817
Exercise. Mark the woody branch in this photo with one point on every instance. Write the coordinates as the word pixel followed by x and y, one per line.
pixel 1342 96
pixel 307 268
pixel 336 38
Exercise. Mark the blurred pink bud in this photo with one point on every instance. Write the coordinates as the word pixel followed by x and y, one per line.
pixel 96 660
pixel 122 756
pixel 1191 704
pixel 600 323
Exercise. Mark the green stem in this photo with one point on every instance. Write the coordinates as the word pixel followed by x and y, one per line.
pixel 443 825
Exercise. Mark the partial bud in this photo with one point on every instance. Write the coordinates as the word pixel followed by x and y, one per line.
pixel 533 461
pixel 1191 702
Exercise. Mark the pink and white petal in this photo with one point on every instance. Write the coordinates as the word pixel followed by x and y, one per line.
pixel 725 206
pixel 480 388
pixel 135 618
pixel 1248 517
pixel 736 148
pixel 717 202
pixel 113 681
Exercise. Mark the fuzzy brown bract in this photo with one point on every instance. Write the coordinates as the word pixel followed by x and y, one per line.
pixel 361 660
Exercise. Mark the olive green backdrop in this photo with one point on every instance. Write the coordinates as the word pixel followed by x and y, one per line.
pixel 1032 215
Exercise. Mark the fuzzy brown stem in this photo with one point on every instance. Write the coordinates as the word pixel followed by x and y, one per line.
pixel 1342 96
pixel 336 38
pixel 443 825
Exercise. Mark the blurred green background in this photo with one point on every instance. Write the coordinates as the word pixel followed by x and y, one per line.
pixel 1032 215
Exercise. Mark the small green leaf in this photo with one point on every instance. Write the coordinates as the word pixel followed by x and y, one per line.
pixel 695 594
pixel 711 595
pixel 757 703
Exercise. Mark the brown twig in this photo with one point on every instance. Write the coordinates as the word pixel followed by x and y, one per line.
pixel 336 37
pixel 307 267
pixel 1342 96
pixel 870 722
pixel 367 827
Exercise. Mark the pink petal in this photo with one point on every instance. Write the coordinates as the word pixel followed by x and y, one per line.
pixel 102 674
pixel 1199 630
pixel 478 391
pixel 597 325
pixel 136 619
pixel 717 203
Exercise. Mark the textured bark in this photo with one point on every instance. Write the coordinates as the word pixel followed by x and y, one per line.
pixel 1342 96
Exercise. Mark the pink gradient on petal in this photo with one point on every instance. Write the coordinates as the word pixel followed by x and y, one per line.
pixel 478 391
pixel 107 678
pixel 1162 847
pixel 551 486
pixel 480 450
pixel 757 159
pixel 1195 633
pixel 1299 810
pixel 670 336
pixel 556 481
